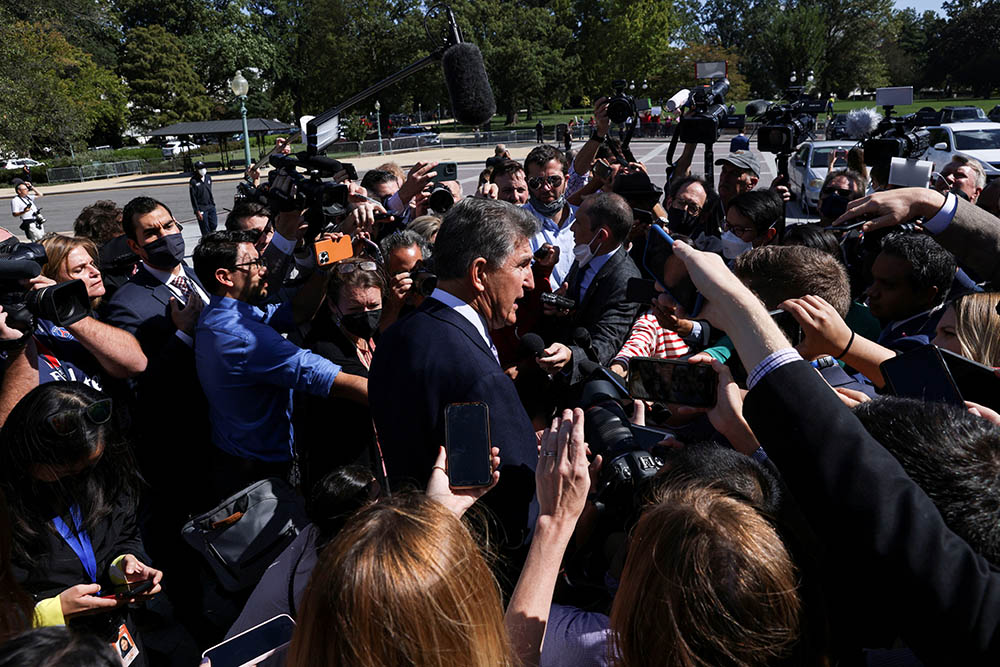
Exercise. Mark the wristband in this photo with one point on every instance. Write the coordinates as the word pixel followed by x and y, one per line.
pixel 849 343
pixel 594 136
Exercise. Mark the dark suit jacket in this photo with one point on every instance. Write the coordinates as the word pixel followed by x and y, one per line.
pixel 427 360
pixel 884 534
pixel 603 312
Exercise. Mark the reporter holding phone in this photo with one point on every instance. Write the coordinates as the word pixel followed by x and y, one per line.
pixel 72 488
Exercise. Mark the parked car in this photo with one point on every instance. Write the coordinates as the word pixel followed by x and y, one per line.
pixel 175 148
pixel 837 127
pixel 417 132
pixel 808 168
pixel 994 114
pixel 980 141
pixel 963 114
pixel 18 162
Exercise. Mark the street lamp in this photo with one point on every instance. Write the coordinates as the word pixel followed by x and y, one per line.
pixel 240 88
pixel 378 122
pixel 420 113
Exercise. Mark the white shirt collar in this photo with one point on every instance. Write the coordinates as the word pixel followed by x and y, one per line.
pixel 466 311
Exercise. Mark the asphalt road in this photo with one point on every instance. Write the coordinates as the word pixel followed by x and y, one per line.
pixel 61 209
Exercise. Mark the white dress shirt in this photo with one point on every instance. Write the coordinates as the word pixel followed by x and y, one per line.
pixel 469 313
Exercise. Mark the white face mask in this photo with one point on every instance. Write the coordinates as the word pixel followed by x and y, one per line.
pixel 583 254
pixel 202 172
pixel 733 246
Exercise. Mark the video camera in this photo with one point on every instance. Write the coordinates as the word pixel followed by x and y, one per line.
pixel 785 126
pixel 899 136
pixel 63 304
pixel 709 113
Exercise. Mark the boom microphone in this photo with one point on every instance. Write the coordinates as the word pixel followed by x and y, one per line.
pixel 862 122
pixel 468 86
pixel 757 107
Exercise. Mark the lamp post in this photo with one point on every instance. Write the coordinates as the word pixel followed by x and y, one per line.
pixel 420 113
pixel 378 122
pixel 240 88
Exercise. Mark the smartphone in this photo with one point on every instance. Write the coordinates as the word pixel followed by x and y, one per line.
pixel 126 591
pixel 975 381
pixel 670 272
pixel 254 645
pixel 642 217
pixel 921 373
pixel 640 290
pixel 602 169
pixel 672 381
pixel 788 324
pixel 445 171
pixel 557 300
pixel 467 440
pixel 328 251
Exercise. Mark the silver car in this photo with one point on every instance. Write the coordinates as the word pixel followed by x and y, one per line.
pixel 808 167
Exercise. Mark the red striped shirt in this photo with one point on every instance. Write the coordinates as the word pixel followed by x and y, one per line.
pixel 649 339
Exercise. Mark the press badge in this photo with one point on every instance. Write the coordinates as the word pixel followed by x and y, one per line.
pixel 125 646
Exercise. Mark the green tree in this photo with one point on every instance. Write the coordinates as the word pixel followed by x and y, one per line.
pixel 679 68
pixel 163 86
pixel 791 39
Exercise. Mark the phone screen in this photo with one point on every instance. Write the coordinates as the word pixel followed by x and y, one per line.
pixel 467 439
pixel 976 382
pixel 921 374
pixel 789 325
pixel 672 381
pixel 252 646
pixel 670 271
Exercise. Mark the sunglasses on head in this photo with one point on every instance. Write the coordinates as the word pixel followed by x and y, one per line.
pixel 555 180
pixel 66 422
pixel 351 267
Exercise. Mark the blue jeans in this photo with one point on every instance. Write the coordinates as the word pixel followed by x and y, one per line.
pixel 209 221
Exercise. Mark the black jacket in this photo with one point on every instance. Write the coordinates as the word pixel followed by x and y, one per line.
pixel 200 190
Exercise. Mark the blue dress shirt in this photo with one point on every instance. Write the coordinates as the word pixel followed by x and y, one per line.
pixel 557 235
pixel 248 372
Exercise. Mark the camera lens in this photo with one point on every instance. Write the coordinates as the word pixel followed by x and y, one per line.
pixel 619 109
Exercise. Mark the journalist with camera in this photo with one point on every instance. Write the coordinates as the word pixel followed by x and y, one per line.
pixel 23 206
pixel 407 256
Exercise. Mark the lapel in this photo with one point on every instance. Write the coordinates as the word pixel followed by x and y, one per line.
pixel 440 311
pixel 160 291
pixel 608 267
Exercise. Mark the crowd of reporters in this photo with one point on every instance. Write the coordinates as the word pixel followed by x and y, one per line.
pixel 805 516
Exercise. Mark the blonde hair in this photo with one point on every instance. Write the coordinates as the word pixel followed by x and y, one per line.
pixel 707 581
pixel 402 584
pixel 977 326
pixel 57 250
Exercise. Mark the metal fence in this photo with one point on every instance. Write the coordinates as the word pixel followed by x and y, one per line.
pixel 94 170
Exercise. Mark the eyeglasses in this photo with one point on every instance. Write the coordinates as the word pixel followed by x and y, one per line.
pixel 688 206
pixel 827 191
pixel 351 267
pixel 257 262
pixel 66 422
pixel 554 181
pixel 739 231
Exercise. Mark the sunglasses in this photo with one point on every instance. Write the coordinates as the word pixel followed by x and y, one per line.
pixel 351 267
pixel 555 180
pixel 827 191
pixel 66 422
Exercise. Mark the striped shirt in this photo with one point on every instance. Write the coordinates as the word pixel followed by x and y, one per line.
pixel 649 339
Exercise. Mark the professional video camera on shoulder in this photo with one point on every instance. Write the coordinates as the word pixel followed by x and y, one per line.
pixel 897 136
pixel 313 189
pixel 63 304
pixel 784 126
pixel 708 113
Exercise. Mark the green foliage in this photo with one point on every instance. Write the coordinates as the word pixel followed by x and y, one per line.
pixel 679 69
pixel 353 128
pixel 163 86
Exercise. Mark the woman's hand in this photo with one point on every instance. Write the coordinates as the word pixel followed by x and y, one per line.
pixel 458 500
pixel 562 480
pixel 823 329
pixel 82 599
pixel 136 571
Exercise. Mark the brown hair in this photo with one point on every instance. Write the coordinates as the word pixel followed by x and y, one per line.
pixel 707 582
pixel 776 273
pixel 393 169
pixel 977 326
pixel 57 249
pixel 100 222
pixel 357 278
pixel 402 584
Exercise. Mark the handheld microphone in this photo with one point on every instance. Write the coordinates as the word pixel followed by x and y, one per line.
pixel 862 122
pixel 533 344
pixel 757 107
pixel 679 99
pixel 468 86
pixel 581 337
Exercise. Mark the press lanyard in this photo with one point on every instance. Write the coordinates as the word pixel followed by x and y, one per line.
pixel 78 541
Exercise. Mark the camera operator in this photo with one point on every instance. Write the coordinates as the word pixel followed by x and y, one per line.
pixel 23 206
pixel 596 283
pixel 579 172
pixel 546 169
pixel 401 204
pixel 402 251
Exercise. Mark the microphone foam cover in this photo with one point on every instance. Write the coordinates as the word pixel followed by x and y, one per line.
pixel 472 99
pixel 757 107
pixel 532 343
pixel 862 122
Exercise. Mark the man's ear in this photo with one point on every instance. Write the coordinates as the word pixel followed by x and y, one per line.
pixel 224 277
pixel 477 274
pixel 132 245
pixel 769 235
pixel 753 181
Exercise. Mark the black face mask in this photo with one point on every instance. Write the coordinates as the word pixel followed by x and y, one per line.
pixel 833 206
pixel 680 221
pixel 166 252
pixel 363 324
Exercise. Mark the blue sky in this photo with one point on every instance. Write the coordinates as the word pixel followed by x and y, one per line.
pixel 920 5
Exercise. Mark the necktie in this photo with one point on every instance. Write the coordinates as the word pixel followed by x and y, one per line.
pixel 183 285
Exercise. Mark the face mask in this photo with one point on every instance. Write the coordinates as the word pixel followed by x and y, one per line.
pixel 363 324
pixel 550 209
pixel 833 206
pixel 680 221
pixel 202 172
pixel 583 254
pixel 733 246
pixel 166 252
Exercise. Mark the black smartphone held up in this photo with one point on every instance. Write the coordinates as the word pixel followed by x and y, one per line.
pixel 921 373
pixel 640 290
pixel 467 439
pixel 445 171
pixel 557 300
pixel 128 591
pixel 670 272
pixel 788 324
pixel 254 645
pixel 672 381
pixel 602 169
pixel 975 381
